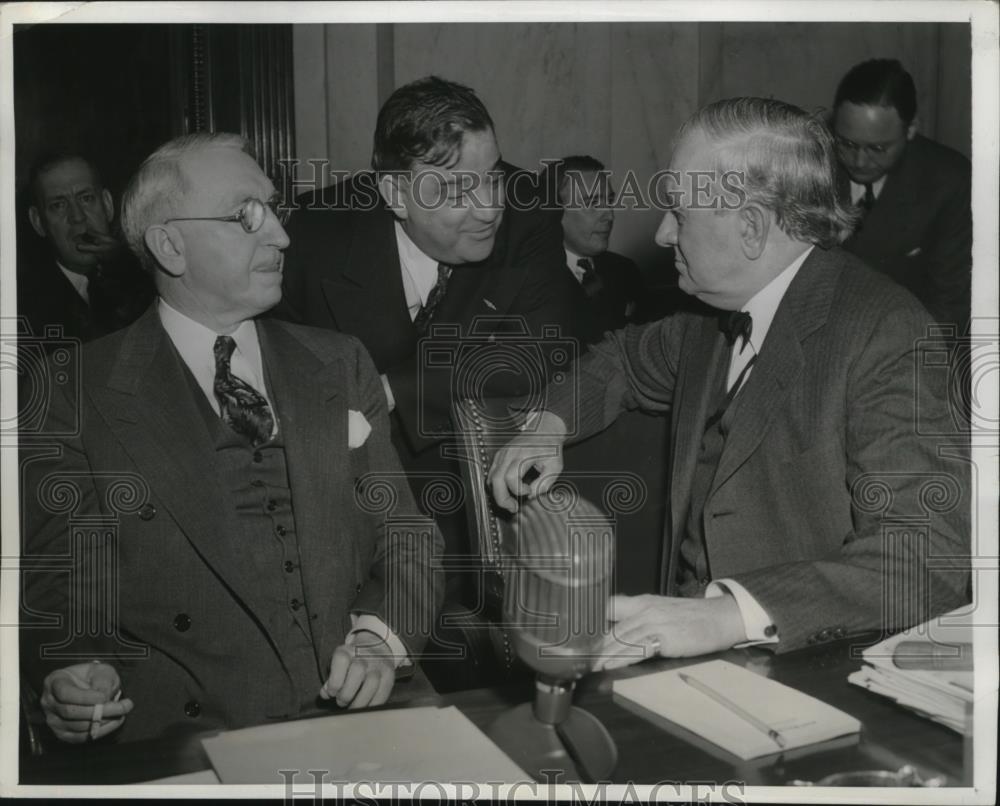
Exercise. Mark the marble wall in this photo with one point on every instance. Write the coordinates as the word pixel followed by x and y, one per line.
pixel 616 91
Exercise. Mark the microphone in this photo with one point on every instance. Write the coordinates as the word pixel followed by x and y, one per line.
pixel 558 568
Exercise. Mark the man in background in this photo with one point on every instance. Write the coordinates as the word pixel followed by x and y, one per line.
pixel 913 194
pixel 609 285
pixel 239 572
pixel 83 278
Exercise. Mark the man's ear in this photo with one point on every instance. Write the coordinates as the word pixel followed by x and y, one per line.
pixel 911 130
pixel 392 188
pixel 109 205
pixel 754 223
pixel 36 221
pixel 167 246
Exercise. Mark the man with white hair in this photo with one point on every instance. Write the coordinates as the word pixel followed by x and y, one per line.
pixel 243 569
pixel 804 426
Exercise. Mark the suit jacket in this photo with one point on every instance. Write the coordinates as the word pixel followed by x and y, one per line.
pixel 615 303
pixel 133 443
pixel 829 496
pixel 342 272
pixel 920 230
pixel 45 297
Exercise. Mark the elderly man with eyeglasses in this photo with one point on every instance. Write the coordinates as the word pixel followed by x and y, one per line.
pixel 228 563
pixel 913 194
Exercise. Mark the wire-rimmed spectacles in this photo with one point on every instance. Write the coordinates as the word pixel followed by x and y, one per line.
pixel 250 216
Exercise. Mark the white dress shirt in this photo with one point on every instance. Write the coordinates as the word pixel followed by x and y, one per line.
pixel 858 191
pixel 79 281
pixel 420 272
pixel 573 260
pixel 196 345
pixel 762 307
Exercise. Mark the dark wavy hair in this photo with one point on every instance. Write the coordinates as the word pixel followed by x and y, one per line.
pixel 425 121
pixel 879 82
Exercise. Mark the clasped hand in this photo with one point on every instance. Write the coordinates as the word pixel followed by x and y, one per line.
pixel 538 449
pixel 361 673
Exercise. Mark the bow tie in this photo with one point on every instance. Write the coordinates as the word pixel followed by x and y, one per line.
pixel 736 323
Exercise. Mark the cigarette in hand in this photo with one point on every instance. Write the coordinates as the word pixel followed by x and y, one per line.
pixel 98 715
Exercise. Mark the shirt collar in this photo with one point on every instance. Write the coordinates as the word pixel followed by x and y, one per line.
pixel 411 258
pixel 858 190
pixel 79 281
pixel 196 343
pixel 763 305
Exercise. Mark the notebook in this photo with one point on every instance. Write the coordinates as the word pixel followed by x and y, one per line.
pixel 799 719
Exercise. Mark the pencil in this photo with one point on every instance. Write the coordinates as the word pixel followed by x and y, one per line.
pixel 733 708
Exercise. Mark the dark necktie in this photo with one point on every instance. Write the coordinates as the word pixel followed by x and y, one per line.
pixel 590 280
pixel 424 316
pixel 241 406
pixel 865 204
pixel 736 324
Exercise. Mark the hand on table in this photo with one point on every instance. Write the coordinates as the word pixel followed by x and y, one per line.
pixel 676 627
pixel 81 702
pixel 538 448
pixel 361 673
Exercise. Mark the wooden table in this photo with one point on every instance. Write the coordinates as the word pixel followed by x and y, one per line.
pixel 648 754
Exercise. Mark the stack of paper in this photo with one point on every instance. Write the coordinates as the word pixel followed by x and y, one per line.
pixel 406 744
pixel 745 713
pixel 940 694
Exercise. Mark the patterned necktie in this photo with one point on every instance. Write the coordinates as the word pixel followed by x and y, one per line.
pixel 590 280
pixel 423 318
pixel 241 406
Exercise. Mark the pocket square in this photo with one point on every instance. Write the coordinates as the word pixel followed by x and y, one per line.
pixel 358 429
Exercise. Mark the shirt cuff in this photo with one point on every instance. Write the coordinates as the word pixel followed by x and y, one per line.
pixel 366 622
pixel 757 624
pixel 390 399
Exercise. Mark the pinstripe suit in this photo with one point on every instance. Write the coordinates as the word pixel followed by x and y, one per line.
pixel 823 465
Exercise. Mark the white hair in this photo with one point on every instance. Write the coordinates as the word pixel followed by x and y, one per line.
pixel 155 189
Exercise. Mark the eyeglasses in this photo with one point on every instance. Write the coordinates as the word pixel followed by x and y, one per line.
pixel 874 150
pixel 250 216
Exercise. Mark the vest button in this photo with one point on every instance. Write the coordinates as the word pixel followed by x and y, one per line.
pixel 281 530
pixel 182 622
pixel 258 457
pixel 289 566
pixel 272 505
pixel 295 604
pixel 192 708
pixel 147 513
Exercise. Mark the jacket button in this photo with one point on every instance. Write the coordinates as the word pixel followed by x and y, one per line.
pixel 147 513
pixel 281 530
pixel 192 708
pixel 272 505
pixel 296 604
pixel 770 630
pixel 182 622
pixel 840 632
pixel 824 635
pixel 289 566
pixel 257 483
pixel 811 639
pixel 704 581
pixel 357 588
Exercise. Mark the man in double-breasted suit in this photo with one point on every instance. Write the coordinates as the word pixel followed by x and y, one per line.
pixel 804 427
pixel 443 263
pixel 239 537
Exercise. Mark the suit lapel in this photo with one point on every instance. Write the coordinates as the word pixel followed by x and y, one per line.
pixel 366 297
pixel 804 308
pixel 311 400
pixel 149 405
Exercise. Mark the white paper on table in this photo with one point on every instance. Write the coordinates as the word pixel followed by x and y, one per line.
pixel 802 720
pixel 404 744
